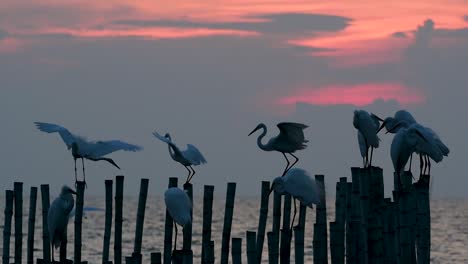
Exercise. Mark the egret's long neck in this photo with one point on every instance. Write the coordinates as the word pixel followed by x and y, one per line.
pixel 171 151
pixel 259 140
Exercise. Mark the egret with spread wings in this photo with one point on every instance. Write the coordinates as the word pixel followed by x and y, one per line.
pixel 84 149
pixel 188 158
pixel 289 140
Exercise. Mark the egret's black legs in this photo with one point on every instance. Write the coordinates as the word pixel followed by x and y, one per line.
pixel 364 162
pixel 189 173
pixel 287 165
pixel 371 154
pixel 297 159
pixel 52 253
pixel 84 175
pixel 191 176
pixel 76 175
pixel 410 161
pixel 428 166
pixel 175 241
pixel 421 164
pixel 294 214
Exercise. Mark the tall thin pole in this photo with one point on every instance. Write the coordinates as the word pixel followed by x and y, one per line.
pixel 108 222
pixel 228 213
pixel 119 188
pixel 140 216
pixel 262 219
pixel 9 196
pixel 45 231
pixel 207 219
pixel 18 189
pixel 78 220
pixel 31 225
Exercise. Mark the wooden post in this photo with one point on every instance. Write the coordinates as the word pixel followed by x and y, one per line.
pixel 364 186
pixel 340 219
pixel 251 247
pixel 78 220
pixel 404 231
pixel 389 232
pixel 228 212
pixel 351 225
pixel 45 231
pixel 9 196
pixel 424 220
pixel 236 250
pixel 285 247
pixel 168 226
pixel 18 189
pixel 272 247
pixel 210 253
pixel 320 227
pixel 334 242
pixel 31 225
pixel 207 219
pixel 108 222
pixel 119 188
pixel 187 230
pixel 156 258
pixel 299 235
pixel 262 219
pixel 275 226
pixel 140 217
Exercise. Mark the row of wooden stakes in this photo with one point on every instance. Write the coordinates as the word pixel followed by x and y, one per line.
pixel 368 228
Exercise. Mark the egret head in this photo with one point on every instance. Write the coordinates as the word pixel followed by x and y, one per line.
pixel 388 123
pixel 261 125
pixel 278 186
pixel 392 126
pixel 67 190
pixel 167 136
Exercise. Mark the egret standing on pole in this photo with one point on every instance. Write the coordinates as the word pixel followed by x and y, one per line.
pixel 190 156
pixel 57 218
pixel 367 126
pixel 84 149
pixel 289 140
pixel 180 207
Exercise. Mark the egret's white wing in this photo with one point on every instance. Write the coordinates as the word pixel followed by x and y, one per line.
pixel 57 219
pixel 362 144
pixel 193 155
pixel 403 115
pixel 102 148
pixel 292 132
pixel 179 205
pixel 443 148
pixel 302 186
pixel 163 139
pixel 368 128
pixel 425 143
pixel 67 137
pixel 399 151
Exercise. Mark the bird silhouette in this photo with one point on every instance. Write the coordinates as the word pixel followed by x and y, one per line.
pixel 289 140
pixel 367 126
pixel 179 206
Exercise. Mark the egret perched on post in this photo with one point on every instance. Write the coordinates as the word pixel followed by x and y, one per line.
pixel 190 156
pixel 180 208
pixel 390 123
pixel 367 126
pixel 300 185
pixel 289 140
pixel 84 149
pixel 57 218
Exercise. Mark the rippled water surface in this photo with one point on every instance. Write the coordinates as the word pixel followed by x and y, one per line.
pixel 449 228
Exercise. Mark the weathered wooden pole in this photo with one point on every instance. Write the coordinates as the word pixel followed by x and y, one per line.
pixel 63 249
pixel 140 219
pixel 236 253
pixel 299 235
pixel 228 213
pixel 119 188
pixel 389 232
pixel 364 186
pixel 320 227
pixel 273 252
pixel 31 225
pixel 404 205
pixel 45 231
pixel 9 196
pixel 108 222
pixel 334 242
pixel 18 189
pixel 207 219
pixel 156 258
pixel 78 220
pixel 187 230
pixel 351 248
pixel 251 247
pixel 357 216
pixel 210 253
pixel 424 220
pixel 168 226
pixel 276 225
pixel 340 220
pixel 262 219
pixel 285 244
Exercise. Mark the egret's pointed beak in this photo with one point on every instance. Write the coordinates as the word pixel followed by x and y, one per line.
pixel 376 116
pixel 253 131
pixel 382 126
pixel 393 128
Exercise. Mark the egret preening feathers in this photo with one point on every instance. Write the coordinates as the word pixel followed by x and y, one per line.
pixel 290 139
pixel 179 206
pixel 58 215
pixel 190 156
pixel 84 149
pixel 300 185
pixel 367 126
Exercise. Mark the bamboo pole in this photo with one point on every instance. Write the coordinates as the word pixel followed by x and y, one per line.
pixel 156 258
pixel 389 232
pixel 357 206
pixel 424 220
pixel 45 231
pixel 285 247
pixel 207 219
pixel 251 250
pixel 262 219
pixel 320 227
pixel 9 197
pixel 31 225
pixel 340 219
pixel 236 250
pixel 63 248
pixel 187 230
pixel 228 212
pixel 405 233
pixel 119 188
pixel 140 220
pixel 334 242
pixel 168 226
pixel 78 220
pixel 299 235
pixel 210 253
pixel 18 190
pixel 276 225
pixel 272 247
pixel 108 222
pixel 351 236
pixel 364 186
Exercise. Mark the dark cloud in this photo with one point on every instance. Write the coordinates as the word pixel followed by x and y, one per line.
pixel 455 33
pixel 400 34
pixel 287 23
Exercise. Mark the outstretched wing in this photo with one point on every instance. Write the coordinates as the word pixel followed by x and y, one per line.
pixel 67 137
pixel 193 155
pixel 102 148
pixel 293 132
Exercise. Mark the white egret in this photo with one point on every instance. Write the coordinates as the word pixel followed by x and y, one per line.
pixel 289 140
pixel 300 185
pixel 390 123
pixel 190 156
pixel 180 208
pixel 57 218
pixel 367 126
pixel 84 149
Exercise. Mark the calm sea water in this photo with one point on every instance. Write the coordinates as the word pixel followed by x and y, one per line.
pixel 449 228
